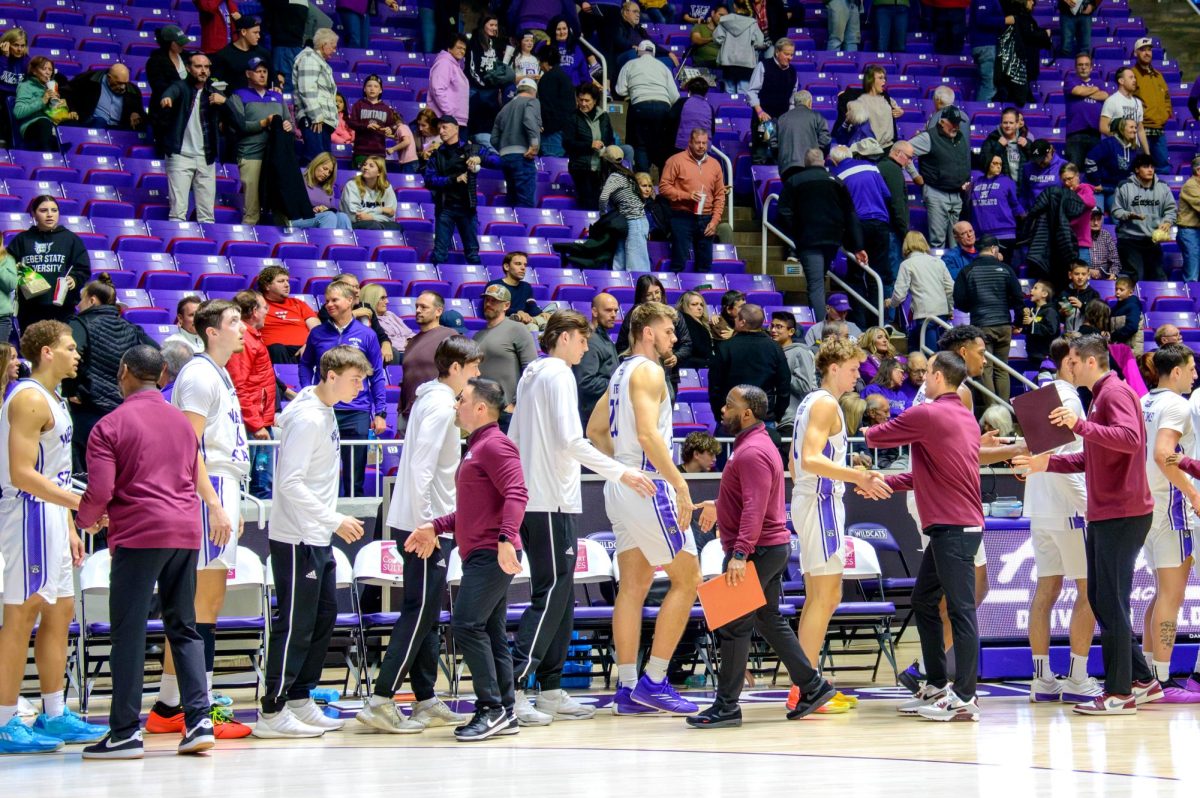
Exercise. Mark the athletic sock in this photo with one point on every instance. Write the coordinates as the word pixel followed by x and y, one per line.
pixel 1162 670
pixel 627 675
pixel 656 669
pixel 296 703
pixel 1041 666
pixel 380 700
pixel 208 633
pixel 7 714
pixel 54 704
pixel 208 677
pixel 168 691
pixel 1078 670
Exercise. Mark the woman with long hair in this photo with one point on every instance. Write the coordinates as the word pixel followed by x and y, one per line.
pixel 425 130
pixel 39 107
pixel 375 297
pixel 692 308
pixel 483 56
pixel 56 254
pixel 320 178
pixel 620 189
pixel 369 200
pixel 14 63
pixel 523 59
pixel 10 368
pixel 572 59
pixel 889 383
pixel 995 206
pixel 878 346
pixel 164 66
pixel 342 134
pixel 372 120
pixel 649 288
pixel 925 277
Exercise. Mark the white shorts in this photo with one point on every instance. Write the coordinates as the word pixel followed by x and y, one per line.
pixel 980 553
pixel 648 525
pixel 35 544
pixel 1166 547
pixel 224 557
pixel 820 523
pixel 1058 548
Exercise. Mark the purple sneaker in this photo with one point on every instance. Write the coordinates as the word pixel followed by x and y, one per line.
pixel 661 696
pixel 1176 693
pixel 622 704
pixel 1193 683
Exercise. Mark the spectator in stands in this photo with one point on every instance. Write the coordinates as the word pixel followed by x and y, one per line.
pixel 101 337
pixel 1040 322
pixel 658 208
pixel 320 178
pixel 1106 262
pixel 844 19
pixel 593 372
pixel 706 51
pixel 516 135
pixel 724 322
pixel 252 110
pixel 366 413
pixel 987 23
pixel 869 194
pixel 650 88
pixel 658 11
pixel 739 41
pixel 877 347
pixel 924 276
pixel 1111 161
pixel 1145 211
pixel 649 288
pixel 799 130
pixel 1167 334
pixel 1188 223
pixel 404 151
pixel 750 357
pixel 773 83
pixel 56 254
pixel 1151 88
pixel 891 25
pixel 8 288
pixel 816 212
pixel 1124 105
pixel 253 376
pixel 164 66
pixel 449 90
pixel 692 308
pixel 314 97
pixel 881 111
pixel 425 130
pixel 1084 100
pixel 231 61
pixel 949 23
pixel 988 290
pixel 995 206
pixel 185 321
pixel 888 382
pixel 802 366
pixel 522 305
pixel 998 419
pixel 588 132
pixel 1081 224
pixel 944 161
pixel 1006 142
pixel 621 191
pixel 1097 319
pixel 834 326
pixel 14 63
pixel 39 108
pixel 372 120
pixel 572 60
pixel 916 367
pixel 523 58
pixel 450 174
pixel 699 453
pixel 624 36
pixel 176 355
pixel 342 134
pixel 1020 70
pixel 286 24
pixel 1075 297
pixel 375 297
pixel 192 116
pixel 892 169
pixel 965 251
pixel 362 312
pixel 214 33
pixel 419 365
pixel 556 95
pixel 369 200
pixel 694 183
pixel 693 112
pixel 486 74
pixel 1126 319
pixel 356 22
pixel 106 98
pixel 943 98
pixel 1041 172
pixel 288 319
pixel 506 345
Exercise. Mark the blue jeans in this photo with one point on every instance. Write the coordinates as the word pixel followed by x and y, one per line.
pixel 315 143
pixel 985 59
pixel 1158 151
pixel 325 220
pixel 1085 255
pixel 1076 34
pixel 520 180
pixel 552 145
pixel 282 59
pixel 467 224
pixel 355 29
pixel 633 255
pixel 1188 239
pixel 932 332
pixel 687 236
pixel 891 24
pixel 845 19
pixel 660 16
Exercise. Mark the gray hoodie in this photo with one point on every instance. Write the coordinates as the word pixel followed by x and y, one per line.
pixel 518 126
pixel 740 40
pixel 1156 203
pixel 803 367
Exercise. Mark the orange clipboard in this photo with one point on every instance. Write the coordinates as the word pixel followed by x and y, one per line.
pixel 723 603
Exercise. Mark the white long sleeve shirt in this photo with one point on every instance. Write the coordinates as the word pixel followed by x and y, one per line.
pixel 432 449
pixel 306 475
pixel 549 436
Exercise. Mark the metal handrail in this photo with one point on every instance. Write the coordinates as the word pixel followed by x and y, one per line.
pixel 767 226
pixel 729 170
pixel 995 361
pixel 603 69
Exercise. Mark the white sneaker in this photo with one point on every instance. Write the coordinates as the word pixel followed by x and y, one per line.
pixel 559 705
pixel 926 696
pixel 311 714
pixel 951 708
pixel 1080 691
pixel 25 707
pixel 283 724
pixel 527 715
pixel 388 718
pixel 434 712
pixel 1046 689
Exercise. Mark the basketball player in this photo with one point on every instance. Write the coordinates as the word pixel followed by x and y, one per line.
pixel 1056 505
pixel 424 491
pixel 945 457
pixel 632 422
pixel 549 436
pixel 1168 547
pixel 205 394
pixel 39 543
pixel 819 476
pixel 304 518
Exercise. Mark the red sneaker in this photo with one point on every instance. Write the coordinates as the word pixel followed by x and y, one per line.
pixel 1147 691
pixel 165 720
pixel 225 727
pixel 1108 704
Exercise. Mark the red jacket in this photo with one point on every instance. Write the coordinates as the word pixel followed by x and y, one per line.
pixel 254 377
pixel 214 33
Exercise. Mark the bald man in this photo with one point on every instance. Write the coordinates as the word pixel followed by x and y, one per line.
pixel 107 99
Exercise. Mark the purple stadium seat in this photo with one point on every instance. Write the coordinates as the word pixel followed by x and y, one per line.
pixel 366 270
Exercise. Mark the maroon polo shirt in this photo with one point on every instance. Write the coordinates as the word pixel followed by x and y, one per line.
pixel 750 509
pixel 491 493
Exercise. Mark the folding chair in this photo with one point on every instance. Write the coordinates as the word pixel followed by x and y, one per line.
pixel 379 564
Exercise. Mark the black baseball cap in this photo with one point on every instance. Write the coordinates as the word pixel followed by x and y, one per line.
pixel 987 242
pixel 952 115
pixel 447 119
pixel 1040 149
pixel 246 22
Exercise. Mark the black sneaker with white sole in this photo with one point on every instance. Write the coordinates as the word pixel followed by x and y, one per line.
pixel 512 726
pixel 108 748
pixel 486 723
pixel 198 738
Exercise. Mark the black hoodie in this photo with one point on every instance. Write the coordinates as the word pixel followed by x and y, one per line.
pixel 54 254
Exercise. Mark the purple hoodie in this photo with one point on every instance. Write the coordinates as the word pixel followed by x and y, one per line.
pixel 697 112
pixel 1036 178
pixel 449 90
pixel 996 206
pixel 534 14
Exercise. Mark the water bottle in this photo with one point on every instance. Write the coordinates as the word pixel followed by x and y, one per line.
pixel 325 695
pixel 701 202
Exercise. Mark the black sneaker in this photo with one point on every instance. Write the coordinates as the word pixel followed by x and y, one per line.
pixel 512 727
pixel 108 748
pixel 198 738
pixel 911 679
pixel 485 723
pixel 802 704
pixel 716 717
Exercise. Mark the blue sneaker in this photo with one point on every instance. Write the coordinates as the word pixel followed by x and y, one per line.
pixel 912 679
pixel 661 696
pixel 70 728
pixel 623 704
pixel 222 700
pixel 17 738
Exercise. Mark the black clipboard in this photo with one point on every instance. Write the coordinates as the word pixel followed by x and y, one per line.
pixel 1033 414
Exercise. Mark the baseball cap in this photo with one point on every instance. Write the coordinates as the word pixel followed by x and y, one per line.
pixel 1145 41
pixel 447 119
pixel 246 22
pixel 172 33
pixel 527 83
pixel 497 292
pixel 255 63
pixel 839 302
pixel 986 242
pixel 1039 149
pixel 952 115
pixel 454 320
pixel 645 46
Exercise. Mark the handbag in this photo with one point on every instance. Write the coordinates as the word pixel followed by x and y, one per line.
pixel 1012 65
pixel 31 283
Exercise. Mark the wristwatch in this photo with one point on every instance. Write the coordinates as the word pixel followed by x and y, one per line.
pixel 504 537
pixel 738 555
